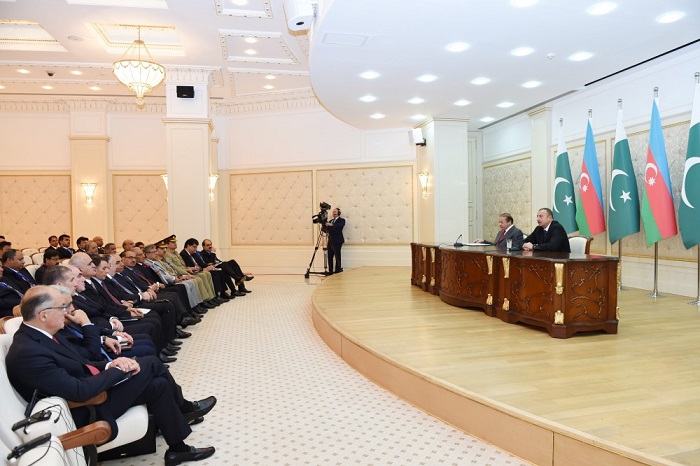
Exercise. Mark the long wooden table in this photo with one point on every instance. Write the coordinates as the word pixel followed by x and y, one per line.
pixel 560 292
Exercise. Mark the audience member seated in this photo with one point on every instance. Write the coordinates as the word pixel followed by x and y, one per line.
pixel 191 258
pixel 231 267
pixel 13 272
pixel 9 297
pixel 64 249
pixel 110 248
pixel 51 258
pixel 81 243
pixel 35 362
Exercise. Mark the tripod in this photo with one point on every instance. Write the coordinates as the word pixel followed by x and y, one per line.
pixel 322 235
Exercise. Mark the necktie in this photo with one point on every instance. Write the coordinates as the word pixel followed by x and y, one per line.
pixel 141 276
pixel 93 370
pixel 80 335
pixel 21 275
pixel 503 235
pixel 110 294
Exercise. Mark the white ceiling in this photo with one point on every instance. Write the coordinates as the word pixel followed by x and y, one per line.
pixel 399 39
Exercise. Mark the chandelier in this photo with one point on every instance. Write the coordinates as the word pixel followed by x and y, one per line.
pixel 137 70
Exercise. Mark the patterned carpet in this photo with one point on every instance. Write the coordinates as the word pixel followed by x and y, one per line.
pixel 286 399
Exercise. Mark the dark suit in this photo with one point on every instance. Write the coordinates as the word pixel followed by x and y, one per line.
pixel 34 361
pixel 65 253
pixel 554 239
pixel 9 298
pixel 19 280
pixel 335 243
pixel 39 274
pixel 514 234
pixel 217 277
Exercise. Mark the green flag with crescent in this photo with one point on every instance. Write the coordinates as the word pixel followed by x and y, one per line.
pixel 689 211
pixel 623 208
pixel 563 199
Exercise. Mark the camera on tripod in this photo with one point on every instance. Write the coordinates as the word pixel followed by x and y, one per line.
pixel 322 217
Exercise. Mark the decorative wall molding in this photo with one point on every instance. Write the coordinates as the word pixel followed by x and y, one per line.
pixel 140 207
pixel 190 74
pixel 507 188
pixel 292 100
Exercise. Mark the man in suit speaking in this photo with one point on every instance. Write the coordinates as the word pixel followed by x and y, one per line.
pixel 507 231
pixel 549 235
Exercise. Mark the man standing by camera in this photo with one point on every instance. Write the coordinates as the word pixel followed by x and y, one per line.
pixel 335 241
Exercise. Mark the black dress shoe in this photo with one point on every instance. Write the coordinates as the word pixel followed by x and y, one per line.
pixel 245 290
pixel 166 359
pixel 176 342
pixel 225 297
pixel 200 408
pixel 182 333
pixel 172 348
pixel 249 277
pixel 168 352
pixel 239 293
pixel 173 458
pixel 167 366
pixel 195 421
pixel 208 304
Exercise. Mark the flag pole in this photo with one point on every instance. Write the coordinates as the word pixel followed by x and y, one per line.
pixel 655 293
pixel 619 258
pixel 697 297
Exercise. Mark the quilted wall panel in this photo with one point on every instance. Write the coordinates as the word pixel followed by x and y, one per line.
pixel 377 203
pixel 33 207
pixel 140 208
pixel 513 196
pixel 272 208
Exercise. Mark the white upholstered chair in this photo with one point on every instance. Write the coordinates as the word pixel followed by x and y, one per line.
pixel 38 258
pixel 31 268
pixel 580 244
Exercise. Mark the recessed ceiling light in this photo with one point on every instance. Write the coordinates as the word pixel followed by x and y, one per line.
pixel 377 116
pixel 23 71
pixel 457 47
pixel 369 75
pixel 416 101
pixel 602 8
pixel 505 105
pixel 47 87
pixel 522 51
pixel 580 56
pixel 2 87
pixel 250 40
pixel 427 78
pixel 531 84
pixel 480 81
pixel 76 72
pixel 250 52
pixel 268 86
pixel 487 119
pixel 239 2
pixel 418 117
pixel 462 103
pixel 270 76
pixel 522 3
pixel 95 88
pixel 670 17
pixel 76 38
pixel 368 98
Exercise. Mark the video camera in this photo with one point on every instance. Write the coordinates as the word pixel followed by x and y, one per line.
pixel 322 217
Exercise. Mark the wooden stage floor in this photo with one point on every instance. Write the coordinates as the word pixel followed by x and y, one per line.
pixel 630 398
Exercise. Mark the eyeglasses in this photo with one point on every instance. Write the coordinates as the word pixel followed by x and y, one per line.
pixel 64 308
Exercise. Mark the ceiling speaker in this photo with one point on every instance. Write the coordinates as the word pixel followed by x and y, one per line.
pixel 300 14
pixel 185 92
pixel 417 138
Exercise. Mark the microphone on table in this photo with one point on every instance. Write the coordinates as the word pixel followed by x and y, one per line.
pixel 457 243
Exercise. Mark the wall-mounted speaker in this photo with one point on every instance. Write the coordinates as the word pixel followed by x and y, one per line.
pixel 300 14
pixel 416 135
pixel 185 92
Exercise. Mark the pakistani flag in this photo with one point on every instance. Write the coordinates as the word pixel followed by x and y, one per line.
pixel 623 209
pixel 563 200
pixel 689 211
pixel 658 214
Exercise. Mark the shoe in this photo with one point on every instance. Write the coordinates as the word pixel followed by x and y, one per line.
pixel 195 421
pixel 245 290
pixel 167 366
pixel 168 352
pixel 238 293
pixel 166 359
pixel 172 348
pixel 208 304
pixel 173 458
pixel 225 297
pixel 249 277
pixel 186 321
pixel 200 408
pixel 219 300
pixel 176 342
pixel 203 308
pixel 182 333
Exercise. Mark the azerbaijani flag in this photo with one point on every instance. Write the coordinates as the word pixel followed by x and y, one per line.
pixel 689 210
pixel 658 214
pixel 589 210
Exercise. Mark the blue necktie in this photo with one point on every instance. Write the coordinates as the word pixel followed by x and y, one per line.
pixel 8 287
pixel 80 335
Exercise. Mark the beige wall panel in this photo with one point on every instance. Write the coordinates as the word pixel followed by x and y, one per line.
pixel 140 208
pixel 272 208
pixel 507 189
pixel 377 203
pixel 33 207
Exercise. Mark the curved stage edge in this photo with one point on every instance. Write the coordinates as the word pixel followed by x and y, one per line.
pixel 375 290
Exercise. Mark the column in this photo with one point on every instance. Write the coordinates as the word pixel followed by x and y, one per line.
pixel 542 159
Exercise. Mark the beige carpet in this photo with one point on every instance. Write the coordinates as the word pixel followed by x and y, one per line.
pixel 286 399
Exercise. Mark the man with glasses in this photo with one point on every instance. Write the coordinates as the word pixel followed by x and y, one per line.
pixel 39 360
pixel 50 259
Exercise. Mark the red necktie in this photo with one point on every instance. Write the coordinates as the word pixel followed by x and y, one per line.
pixel 110 294
pixel 142 276
pixel 503 234
pixel 93 370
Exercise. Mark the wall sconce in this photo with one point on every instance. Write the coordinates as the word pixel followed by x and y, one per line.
pixel 164 177
pixel 423 178
pixel 89 190
pixel 213 177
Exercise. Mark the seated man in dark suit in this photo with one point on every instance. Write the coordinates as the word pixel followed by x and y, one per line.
pixel 40 360
pixel 231 267
pixel 192 260
pixel 50 259
pixel 549 235
pixel 507 231
pixel 9 298
pixel 64 249
pixel 14 273
pixel 53 242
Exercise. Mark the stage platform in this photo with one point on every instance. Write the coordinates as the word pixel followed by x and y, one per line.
pixel 593 399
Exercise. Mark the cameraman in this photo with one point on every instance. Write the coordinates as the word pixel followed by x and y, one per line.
pixel 335 241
